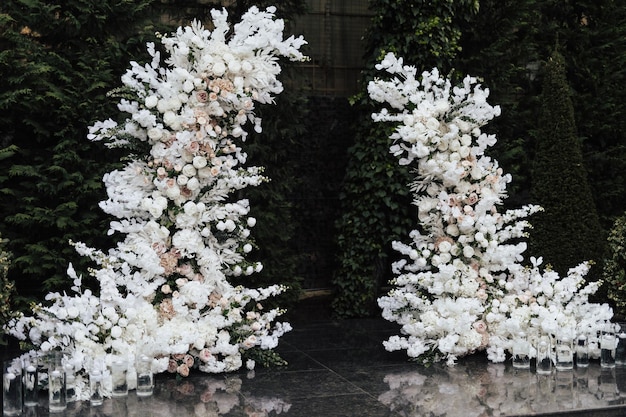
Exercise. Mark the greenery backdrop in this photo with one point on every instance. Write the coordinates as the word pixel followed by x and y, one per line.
pixel 58 60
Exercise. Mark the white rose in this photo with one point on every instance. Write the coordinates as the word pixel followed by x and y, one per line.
pixel 199 162
pixel 188 86
pixel 445 246
pixel 190 208
pixel 193 184
pixel 172 192
pixel 468 251
pixel 199 344
pixel 151 101
pixel 162 106
pixel 61 313
pixel 251 221
pixel 170 119
pixel 189 170
pixel 155 133
pixel 182 180
pixel 230 225
pixel 219 68
pixel 452 230
pixel 116 332
pixel 247 248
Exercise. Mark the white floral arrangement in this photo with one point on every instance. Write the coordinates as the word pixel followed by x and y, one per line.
pixel 461 286
pixel 164 291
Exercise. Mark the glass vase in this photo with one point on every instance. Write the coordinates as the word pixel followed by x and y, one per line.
pixel 96 397
pixel 57 389
pixel 30 381
pixel 145 377
pixel 119 378
pixel 608 346
pixel 521 351
pixel 582 352
pixel 544 355
pixel 564 353
pixel 12 387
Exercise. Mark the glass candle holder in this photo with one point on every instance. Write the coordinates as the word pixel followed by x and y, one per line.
pixel 521 351
pixel 564 353
pixel 70 384
pixel 582 352
pixel 12 387
pixel 30 381
pixel 57 389
pixel 96 397
pixel 145 377
pixel 608 345
pixel 544 355
pixel 119 378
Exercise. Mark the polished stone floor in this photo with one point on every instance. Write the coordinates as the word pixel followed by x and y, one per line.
pixel 338 368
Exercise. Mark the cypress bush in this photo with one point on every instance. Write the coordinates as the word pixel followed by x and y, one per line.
pixel 568 231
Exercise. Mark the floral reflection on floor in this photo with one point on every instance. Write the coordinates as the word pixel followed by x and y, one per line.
pixel 468 390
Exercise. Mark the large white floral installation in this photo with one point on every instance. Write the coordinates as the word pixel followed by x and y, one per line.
pixel 164 291
pixel 461 286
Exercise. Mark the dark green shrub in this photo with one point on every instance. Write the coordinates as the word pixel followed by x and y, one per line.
pixel 614 272
pixel 58 59
pixel 568 231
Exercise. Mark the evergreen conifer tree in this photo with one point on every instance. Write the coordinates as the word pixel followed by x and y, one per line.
pixel 568 231
pixel 57 62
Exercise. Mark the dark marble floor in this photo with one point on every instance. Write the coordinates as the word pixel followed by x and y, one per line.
pixel 339 368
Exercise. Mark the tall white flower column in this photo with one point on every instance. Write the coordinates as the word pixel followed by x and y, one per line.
pixel 164 291
pixel 461 285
